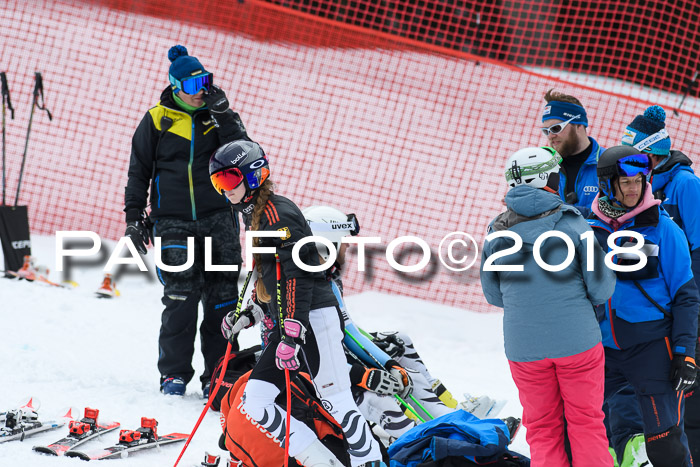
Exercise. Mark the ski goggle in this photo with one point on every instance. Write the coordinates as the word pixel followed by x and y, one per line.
pixel 629 166
pixel 193 84
pixel 558 127
pixel 226 180
pixel 352 218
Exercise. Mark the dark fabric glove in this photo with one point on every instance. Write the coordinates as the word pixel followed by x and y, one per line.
pixel 683 372
pixel 390 343
pixel 216 100
pixel 375 380
pixel 402 377
pixel 137 230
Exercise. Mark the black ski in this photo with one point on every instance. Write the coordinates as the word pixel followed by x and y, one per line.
pixel 145 437
pixel 79 432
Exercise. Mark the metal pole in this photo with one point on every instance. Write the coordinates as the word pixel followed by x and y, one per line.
pixel 5 101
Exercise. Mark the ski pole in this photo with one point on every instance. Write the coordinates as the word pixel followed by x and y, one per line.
pixel 286 370
pixel 38 92
pixel 383 368
pixel 5 101
pixel 221 374
pixel 688 87
pixel 396 396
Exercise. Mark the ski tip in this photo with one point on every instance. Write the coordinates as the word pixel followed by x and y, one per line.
pixel 44 450
pixel 71 413
pixel 69 284
pixel 32 404
pixel 80 455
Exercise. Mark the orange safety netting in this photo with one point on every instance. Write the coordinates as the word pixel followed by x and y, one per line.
pixel 402 113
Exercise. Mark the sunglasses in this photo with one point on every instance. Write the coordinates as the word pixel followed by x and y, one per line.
pixel 558 127
pixel 226 180
pixel 629 166
pixel 193 84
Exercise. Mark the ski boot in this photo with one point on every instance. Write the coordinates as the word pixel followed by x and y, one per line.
pixel 480 406
pixel 513 424
pixel 210 460
pixel 635 453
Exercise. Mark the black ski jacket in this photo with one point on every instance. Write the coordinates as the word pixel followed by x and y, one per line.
pixel 170 152
pixel 301 291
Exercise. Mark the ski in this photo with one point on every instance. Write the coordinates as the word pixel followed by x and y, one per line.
pixel 79 432
pixel 20 423
pixel 145 437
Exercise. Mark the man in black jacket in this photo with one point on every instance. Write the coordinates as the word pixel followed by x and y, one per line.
pixel 170 154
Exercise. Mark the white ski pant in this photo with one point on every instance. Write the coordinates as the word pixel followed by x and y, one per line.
pixel 323 353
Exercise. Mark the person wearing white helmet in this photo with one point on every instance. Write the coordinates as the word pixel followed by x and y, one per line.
pixel 388 364
pixel 551 334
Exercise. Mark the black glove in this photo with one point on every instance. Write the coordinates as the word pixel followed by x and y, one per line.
pixel 216 100
pixel 683 372
pixel 137 230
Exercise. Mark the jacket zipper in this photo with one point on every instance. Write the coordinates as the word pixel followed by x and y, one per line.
pixel 189 172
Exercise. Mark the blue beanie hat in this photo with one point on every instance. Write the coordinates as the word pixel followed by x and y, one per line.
pixel 653 122
pixel 183 65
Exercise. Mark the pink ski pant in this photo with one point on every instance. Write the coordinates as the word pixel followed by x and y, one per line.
pixel 574 386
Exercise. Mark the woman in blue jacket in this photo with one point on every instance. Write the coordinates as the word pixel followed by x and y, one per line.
pixel 552 338
pixel 649 326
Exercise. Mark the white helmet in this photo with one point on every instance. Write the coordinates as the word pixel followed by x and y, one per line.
pixel 332 224
pixel 534 167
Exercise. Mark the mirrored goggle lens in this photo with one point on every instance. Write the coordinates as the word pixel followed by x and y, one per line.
pixel 226 180
pixel 630 166
pixel 194 84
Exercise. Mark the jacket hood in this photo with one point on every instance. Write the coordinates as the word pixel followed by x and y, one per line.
pixel 531 211
pixel 530 202
pixel 674 158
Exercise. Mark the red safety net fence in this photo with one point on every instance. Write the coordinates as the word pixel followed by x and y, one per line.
pixel 402 112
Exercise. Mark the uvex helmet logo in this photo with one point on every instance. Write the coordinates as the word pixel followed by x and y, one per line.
pixel 342 226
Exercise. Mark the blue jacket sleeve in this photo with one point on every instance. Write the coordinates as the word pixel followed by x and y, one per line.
pixel 674 260
pixel 688 199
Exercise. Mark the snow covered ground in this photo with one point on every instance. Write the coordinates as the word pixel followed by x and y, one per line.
pixel 69 348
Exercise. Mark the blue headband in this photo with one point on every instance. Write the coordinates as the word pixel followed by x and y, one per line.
pixel 564 111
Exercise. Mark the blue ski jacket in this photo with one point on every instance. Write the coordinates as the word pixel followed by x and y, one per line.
pixel 586 185
pixel 456 434
pixel 546 314
pixel 630 317
pixel 678 188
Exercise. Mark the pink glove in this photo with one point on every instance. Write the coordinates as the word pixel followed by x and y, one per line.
pixel 286 356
